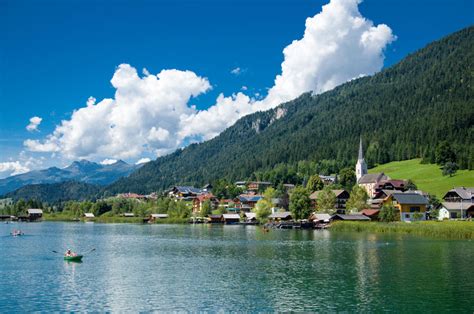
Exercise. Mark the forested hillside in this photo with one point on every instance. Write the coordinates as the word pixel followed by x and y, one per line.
pixel 401 113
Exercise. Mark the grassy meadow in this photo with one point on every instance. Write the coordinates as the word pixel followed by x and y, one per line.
pixel 427 177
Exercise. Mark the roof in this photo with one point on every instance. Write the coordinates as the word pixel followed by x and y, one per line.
pixel 369 212
pixel 204 197
pixel 34 211
pixel 372 178
pixel 89 215
pixel 249 198
pixel 215 216
pixel 463 192
pixel 159 215
pixel 129 214
pixel 188 189
pixel 395 183
pixel 386 192
pixel 281 215
pixel 457 205
pixel 250 215
pixel 321 217
pixel 410 198
pixel 350 217
pixel 315 195
pixel 231 216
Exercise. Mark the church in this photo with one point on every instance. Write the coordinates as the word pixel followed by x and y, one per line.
pixel 365 180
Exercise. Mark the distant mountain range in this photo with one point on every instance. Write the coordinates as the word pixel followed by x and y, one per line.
pixel 79 171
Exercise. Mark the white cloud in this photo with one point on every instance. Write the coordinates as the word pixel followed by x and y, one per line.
pixel 142 161
pixel 91 101
pixel 236 71
pixel 12 168
pixel 108 161
pixel 152 114
pixel 34 123
pixel 244 88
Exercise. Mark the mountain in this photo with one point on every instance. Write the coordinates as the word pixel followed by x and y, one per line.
pixel 402 112
pixel 56 192
pixel 82 171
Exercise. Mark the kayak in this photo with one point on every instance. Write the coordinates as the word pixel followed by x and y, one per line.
pixel 76 258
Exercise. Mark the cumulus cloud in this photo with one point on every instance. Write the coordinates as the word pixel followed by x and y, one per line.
pixel 34 123
pixel 152 113
pixel 12 168
pixel 142 161
pixel 108 161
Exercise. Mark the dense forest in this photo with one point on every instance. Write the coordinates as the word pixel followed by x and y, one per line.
pixel 56 192
pixel 403 112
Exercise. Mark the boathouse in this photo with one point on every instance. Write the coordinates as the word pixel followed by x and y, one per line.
pixel 230 219
pixel 34 214
pixel 350 217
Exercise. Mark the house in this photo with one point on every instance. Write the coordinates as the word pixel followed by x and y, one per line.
pixel 207 188
pixel 281 216
pixel 154 217
pixel 89 215
pixel 34 214
pixel 199 200
pixel 248 201
pixel 398 185
pixel 341 198
pixel 370 181
pixel 250 217
pixel 377 201
pixel 373 214
pixel 184 192
pixel 456 210
pixel 241 184
pixel 460 194
pixel 320 218
pixel 349 217
pixel 328 180
pixel 409 204
pixel 258 185
pixel 230 219
pixel 213 219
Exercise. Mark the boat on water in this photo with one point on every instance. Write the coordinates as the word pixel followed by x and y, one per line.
pixel 73 258
pixel 17 233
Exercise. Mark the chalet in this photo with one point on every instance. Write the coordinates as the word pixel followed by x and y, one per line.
pixel 185 192
pixel 456 210
pixel 250 217
pixel 370 181
pixel 248 201
pixel 349 217
pixel 230 219
pixel 409 205
pixel 460 194
pixel 328 180
pixel 200 199
pixel 373 214
pixel 320 218
pixel 377 201
pixel 34 214
pixel 341 198
pixel 398 185
pixel 213 219
pixel 281 216
pixel 258 185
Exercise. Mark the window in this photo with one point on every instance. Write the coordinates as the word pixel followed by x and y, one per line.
pixel 454 215
pixel 415 209
pixel 407 216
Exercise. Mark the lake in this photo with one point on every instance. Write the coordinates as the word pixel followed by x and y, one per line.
pixel 230 268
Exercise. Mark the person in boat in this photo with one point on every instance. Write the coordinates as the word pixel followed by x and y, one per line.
pixel 69 253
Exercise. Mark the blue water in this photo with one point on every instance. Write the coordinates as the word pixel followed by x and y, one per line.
pixel 230 268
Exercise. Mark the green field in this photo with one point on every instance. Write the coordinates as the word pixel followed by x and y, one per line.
pixel 427 177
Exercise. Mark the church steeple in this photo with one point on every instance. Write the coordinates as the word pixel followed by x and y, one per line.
pixel 361 166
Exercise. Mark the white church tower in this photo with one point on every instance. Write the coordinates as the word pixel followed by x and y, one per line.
pixel 361 166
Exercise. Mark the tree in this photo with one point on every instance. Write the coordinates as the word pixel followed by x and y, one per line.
pixel 315 183
pixel 358 199
pixel 263 209
pixel 300 203
pixel 347 178
pixel 388 213
pixel 326 200
pixel 269 194
pixel 444 153
pixel 206 208
pixel 450 169
pixel 411 185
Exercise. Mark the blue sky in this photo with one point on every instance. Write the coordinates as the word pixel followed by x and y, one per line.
pixel 55 54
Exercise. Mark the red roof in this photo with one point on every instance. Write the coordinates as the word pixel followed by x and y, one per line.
pixel 369 212
pixel 204 197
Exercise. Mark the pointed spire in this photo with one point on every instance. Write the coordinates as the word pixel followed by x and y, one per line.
pixel 361 153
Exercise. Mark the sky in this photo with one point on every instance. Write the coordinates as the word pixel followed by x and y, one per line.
pixel 133 80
